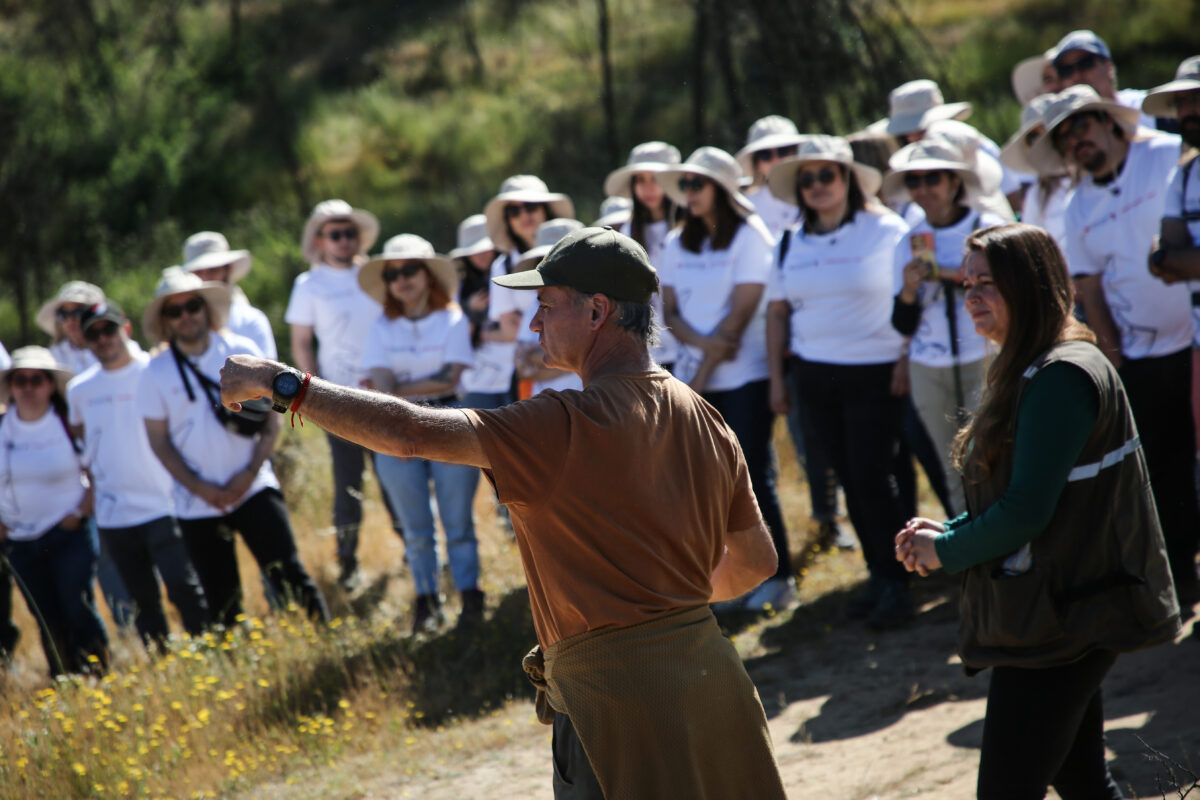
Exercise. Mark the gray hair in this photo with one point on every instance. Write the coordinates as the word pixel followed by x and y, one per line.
pixel 634 317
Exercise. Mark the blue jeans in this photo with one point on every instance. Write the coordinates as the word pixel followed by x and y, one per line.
pixel 406 481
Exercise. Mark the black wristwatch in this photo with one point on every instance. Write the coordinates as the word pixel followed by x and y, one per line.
pixel 1157 257
pixel 284 388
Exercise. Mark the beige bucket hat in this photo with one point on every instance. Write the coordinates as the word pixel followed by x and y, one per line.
pixel 324 211
pixel 1015 153
pixel 1066 104
pixel 472 238
pixel 548 235
pixel 522 189
pixel 81 292
pixel 208 249
pixel 716 165
pixel 175 281
pixel 764 134
pixel 914 105
pixel 646 157
pixel 927 155
pixel 781 180
pixel 408 247
pixel 1159 102
pixel 615 211
pixel 35 357
pixel 1027 76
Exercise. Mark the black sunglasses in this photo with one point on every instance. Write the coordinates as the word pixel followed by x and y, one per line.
pixel 35 380
pixel 64 314
pixel 912 181
pixel 336 235
pixel 1082 65
pixel 192 306
pixel 692 184
pixel 1072 127
pixel 408 270
pixel 772 153
pixel 825 176
pixel 101 329
pixel 513 210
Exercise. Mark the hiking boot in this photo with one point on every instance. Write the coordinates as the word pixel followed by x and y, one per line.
pixel 866 600
pixel 774 594
pixel 830 535
pixel 427 614
pixel 349 575
pixel 895 607
pixel 472 609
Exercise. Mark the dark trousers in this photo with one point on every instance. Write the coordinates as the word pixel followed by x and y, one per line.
pixel 55 573
pixel 822 480
pixel 138 551
pixel 263 523
pixel 1159 391
pixel 9 632
pixel 747 411
pixel 858 421
pixel 915 442
pixel 573 775
pixel 348 461
pixel 1045 727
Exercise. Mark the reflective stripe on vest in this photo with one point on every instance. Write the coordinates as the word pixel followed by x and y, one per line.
pixel 1112 458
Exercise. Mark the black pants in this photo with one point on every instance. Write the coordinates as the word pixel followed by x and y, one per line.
pixel 348 461
pixel 1159 391
pixel 573 775
pixel 9 632
pixel 858 420
pixel 263 523
pixel 138 551
pixel 1045 727
pixel 747 411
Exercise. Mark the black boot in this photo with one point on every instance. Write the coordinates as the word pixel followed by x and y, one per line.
pixel 427 614
pixel 472 608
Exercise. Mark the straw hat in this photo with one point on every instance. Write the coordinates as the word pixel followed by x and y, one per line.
pixel 1027 76
pixel 408 247
pixel 71 292
pixel 1067 103
pixel 522 189
pixel 35 357
pixel 1158 102
pixel 764 134
pixel 176 281
pixel 1015 153
pixel 714 164
pixel 548 234
pixel 781 180
pixel 615 211
pixel 927 155
pixel 326 210
pixel 472 238
pixel 208 249
pixel 914 105
pixel 646 157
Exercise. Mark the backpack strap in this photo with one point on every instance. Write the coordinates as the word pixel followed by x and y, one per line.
pixel 784 242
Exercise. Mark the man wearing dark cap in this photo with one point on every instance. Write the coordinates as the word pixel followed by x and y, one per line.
pixel 1082 57
pixel 633 511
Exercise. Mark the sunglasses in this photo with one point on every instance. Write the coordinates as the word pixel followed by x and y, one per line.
pixel 772 153
pixel 64 314
pixel 513 210
pixel 336 235
pixel 692 184
pixel 825 176
pixel 1082 65
pixel 912 181
pixel 408 270
pixel 192 306
pixel 96 332
pixel 1074 127
pixel 33 381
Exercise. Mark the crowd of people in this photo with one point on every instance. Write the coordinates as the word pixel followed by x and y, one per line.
pixel 816 277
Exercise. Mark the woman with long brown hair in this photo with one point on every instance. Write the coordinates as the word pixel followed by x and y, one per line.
pixel 1060 548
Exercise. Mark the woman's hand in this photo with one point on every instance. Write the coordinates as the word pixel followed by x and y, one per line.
pixel 901 384
pixel 915 273
pixel 478 302
pixel 70 522
pixel 780 403
pixel 915 546
pixel 718 347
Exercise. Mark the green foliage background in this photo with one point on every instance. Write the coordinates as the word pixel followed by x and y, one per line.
pixel 126 125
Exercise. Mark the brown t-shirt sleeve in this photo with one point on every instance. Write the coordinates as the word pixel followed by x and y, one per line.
pixel 526 443
pixel 743 509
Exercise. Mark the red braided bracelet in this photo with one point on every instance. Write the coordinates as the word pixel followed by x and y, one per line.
pixel 295 409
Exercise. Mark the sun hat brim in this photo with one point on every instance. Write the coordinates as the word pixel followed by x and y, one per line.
pixel 745 156
pixel 617 182
pixel 907 123
pixel 1015 153
pixel 613 220
pixel 480 245
pixel 62 375
pixel 530 258
pixel 45 317
pixel 669 181
pixel 237 260
pixel 893 184
pixel 560 207
pixel 1045 159
pixel 217 296
pixel 1027 78
pixel 442 268
pixel 1158 100
pixel 781 180
pixel 368 232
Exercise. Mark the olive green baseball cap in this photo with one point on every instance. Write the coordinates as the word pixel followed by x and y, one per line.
pixel 592 261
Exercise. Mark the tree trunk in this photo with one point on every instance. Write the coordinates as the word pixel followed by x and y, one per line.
pixel 609 101
pixel 699 43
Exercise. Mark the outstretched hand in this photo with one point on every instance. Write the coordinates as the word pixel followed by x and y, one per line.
pixel 246 378
pixel 915 546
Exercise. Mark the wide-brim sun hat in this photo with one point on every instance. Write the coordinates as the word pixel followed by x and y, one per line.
pixel 1066 104
pixel 1027 77
pixel 80 292
pixel 522 189
pixel 781 180
pixel 326 210
pixel 472 238
pixel 716 165
pixel 646 157
pixel 408 247
pixel 765 134
pixel 209 249
pixel 548 234
pixel 39 358
pixel 176 281
pixel 913 106
pixel 930 154
pixel 1015 153
pixel 1159 101
pixel 615 211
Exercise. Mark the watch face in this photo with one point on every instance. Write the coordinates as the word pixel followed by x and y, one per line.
pixel 287 384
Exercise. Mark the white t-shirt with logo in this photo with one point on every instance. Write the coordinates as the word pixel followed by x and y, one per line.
pixel 839 288
pixel 930 345
pixel 667 349
pixel 492 372
pixel 41 479
pixel 1050 214
pixel 209 450
pixel 776 214
pixel 340 312
pixel 131 484
pixel 415 349
pixel 704 282
pixel 568 380
pixel 1110 233
pixel 1187 208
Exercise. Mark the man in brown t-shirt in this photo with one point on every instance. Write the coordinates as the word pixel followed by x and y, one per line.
pixel 633 510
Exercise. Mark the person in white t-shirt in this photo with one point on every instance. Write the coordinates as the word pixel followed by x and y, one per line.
pixel 713 275
pixel 1143 325
pixel 417 349
pixel 947 358
pixel 651 216
pixel 1045 201
pixel 220 463
pixel 530 358
pixel 829 296
pixel 327 307
pixel 207 255
pixel 134 508
pixel 769 140
pixel 46 526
